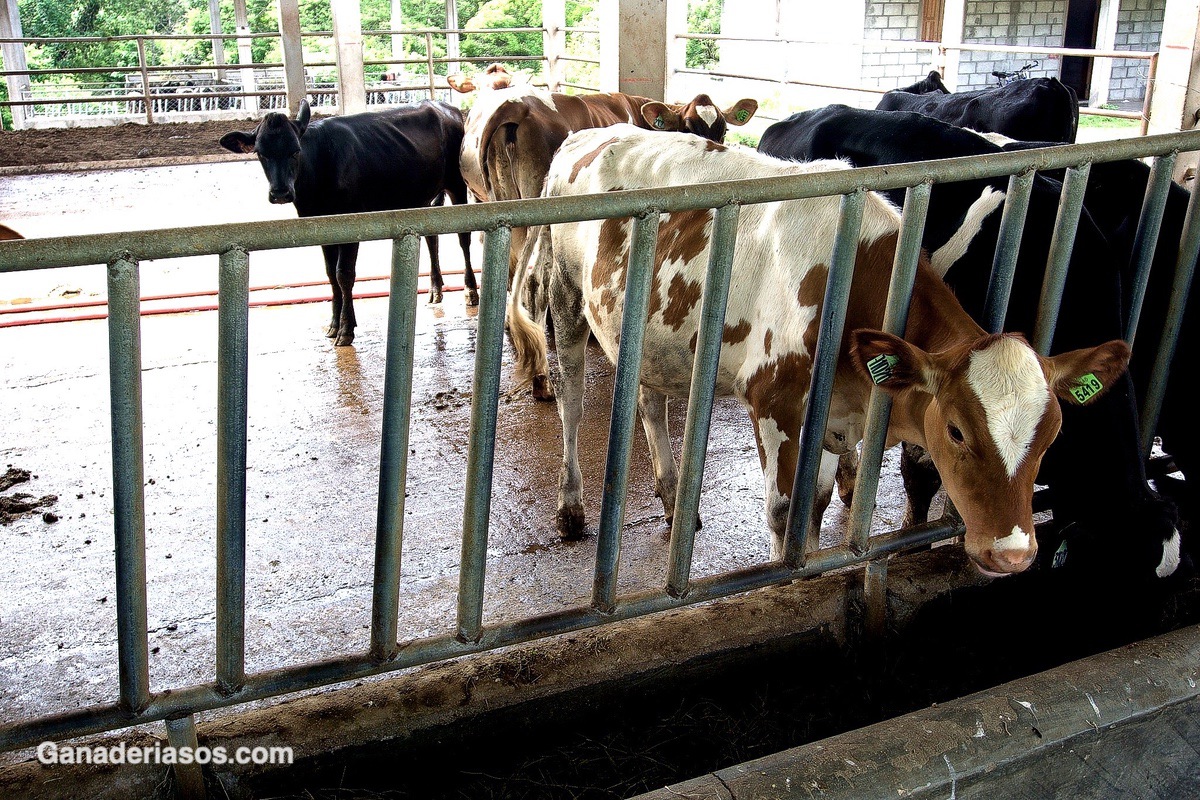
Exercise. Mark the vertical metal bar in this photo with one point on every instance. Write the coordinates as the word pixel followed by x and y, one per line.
pixel 875 597
pixel 233 335
pixel 1185 267
pixel 1151 85
pixel 624 408
pixel 1061 244
pixel 393 456
pixel 1146 240
pixel 189 776
pixel 485 399
pixel 429 61
pixel 1008 246
pixel 141 48
pixel 129 500
pixel 816 414
pixel 895 320
pixel 700 399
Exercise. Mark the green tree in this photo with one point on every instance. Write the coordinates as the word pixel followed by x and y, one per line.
pixel 504 14
pixel 704 16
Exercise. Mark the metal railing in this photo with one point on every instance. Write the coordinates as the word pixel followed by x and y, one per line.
pixel 937 52
pixel 136 700
pixel 151 90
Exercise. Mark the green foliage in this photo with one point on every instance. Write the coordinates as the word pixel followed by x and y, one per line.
pixel 504 14
pixel 704 16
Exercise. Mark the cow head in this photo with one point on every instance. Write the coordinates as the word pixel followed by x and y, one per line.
pixel 987 413
pixel 496 76
pixel 701 116
pixel 276 141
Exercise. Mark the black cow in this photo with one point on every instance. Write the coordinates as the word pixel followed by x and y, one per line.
pixel 1114 196
pixel 1095 470
pixel 1038 109
pixel 377 161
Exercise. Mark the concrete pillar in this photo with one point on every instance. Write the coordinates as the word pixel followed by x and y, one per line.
pixel 397 22
pixel 554 42
pixel 214 27
pixel 1173 106
pixel 293 53
pixel 347 36
pixel 1106 39
pixel 634 44
pixel 953 20
pixel 13 56
pixel 245 56
pixel 452 39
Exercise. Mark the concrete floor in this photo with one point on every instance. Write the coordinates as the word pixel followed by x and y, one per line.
pixel 314 416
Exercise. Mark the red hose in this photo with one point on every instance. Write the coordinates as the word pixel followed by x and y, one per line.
pixel 14 323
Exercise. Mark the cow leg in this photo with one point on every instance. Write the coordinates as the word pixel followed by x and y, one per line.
pixel 565 307
pixel 653 406
pixel 330 252
pixel 826 477
pixel 464 241
pixel 435 270
pixel 347 258
pixel 921 483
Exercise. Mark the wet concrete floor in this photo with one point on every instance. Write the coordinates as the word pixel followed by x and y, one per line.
pixel 314 436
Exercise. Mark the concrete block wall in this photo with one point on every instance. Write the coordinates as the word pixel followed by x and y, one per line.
pixel 892 20
pixel 1039 23
pixel 1139 27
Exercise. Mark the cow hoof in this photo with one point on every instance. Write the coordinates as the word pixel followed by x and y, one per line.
pixel 344 341
pixel 569 522
pixel 435 296
pixel 846 496
pixel 542 388
pixel 472 297
pixel 331 332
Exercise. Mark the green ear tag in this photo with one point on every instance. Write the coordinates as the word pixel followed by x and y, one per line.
pixel 658 122
pixel 742 115
pixel 1087 387
pixel 880 367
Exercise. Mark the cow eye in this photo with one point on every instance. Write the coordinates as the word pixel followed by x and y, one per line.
pixel 955 433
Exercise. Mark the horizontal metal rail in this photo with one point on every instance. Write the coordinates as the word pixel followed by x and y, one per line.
pixel 138 703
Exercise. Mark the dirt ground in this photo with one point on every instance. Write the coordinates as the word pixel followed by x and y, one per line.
pixel 130 141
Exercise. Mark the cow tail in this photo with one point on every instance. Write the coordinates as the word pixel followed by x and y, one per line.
pixel 528 332
pixel 511 113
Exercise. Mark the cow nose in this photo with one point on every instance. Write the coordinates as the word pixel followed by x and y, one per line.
pixel 279 198
pixel 998 563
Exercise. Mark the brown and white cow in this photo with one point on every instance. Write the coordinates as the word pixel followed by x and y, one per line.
pixel 512 132
pixel 982 405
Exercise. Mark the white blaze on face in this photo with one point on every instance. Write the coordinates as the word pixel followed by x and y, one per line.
pixel 1012 390
pixel 1017 540
pixel 708 114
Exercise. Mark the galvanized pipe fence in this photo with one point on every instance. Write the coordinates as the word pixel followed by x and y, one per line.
pixel 137 702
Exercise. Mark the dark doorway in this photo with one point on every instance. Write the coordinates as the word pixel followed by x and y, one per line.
pixel 1082 17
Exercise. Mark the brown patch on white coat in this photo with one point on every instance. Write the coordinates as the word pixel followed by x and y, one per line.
pixel 982 405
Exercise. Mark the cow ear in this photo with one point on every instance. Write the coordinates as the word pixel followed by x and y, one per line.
pixel 460 83
pixel 740 112
pixel 891 363
pixel 1080 376
pixel 239 141
pixel 661 117
pixel 302 117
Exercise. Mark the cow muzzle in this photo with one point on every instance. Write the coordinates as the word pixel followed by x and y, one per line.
pixel 1005 556
pixel 281 196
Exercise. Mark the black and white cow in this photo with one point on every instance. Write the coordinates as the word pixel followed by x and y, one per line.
pixel 378 161
pixel 1038 109
pixel 1095 470
pixel 1114 196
